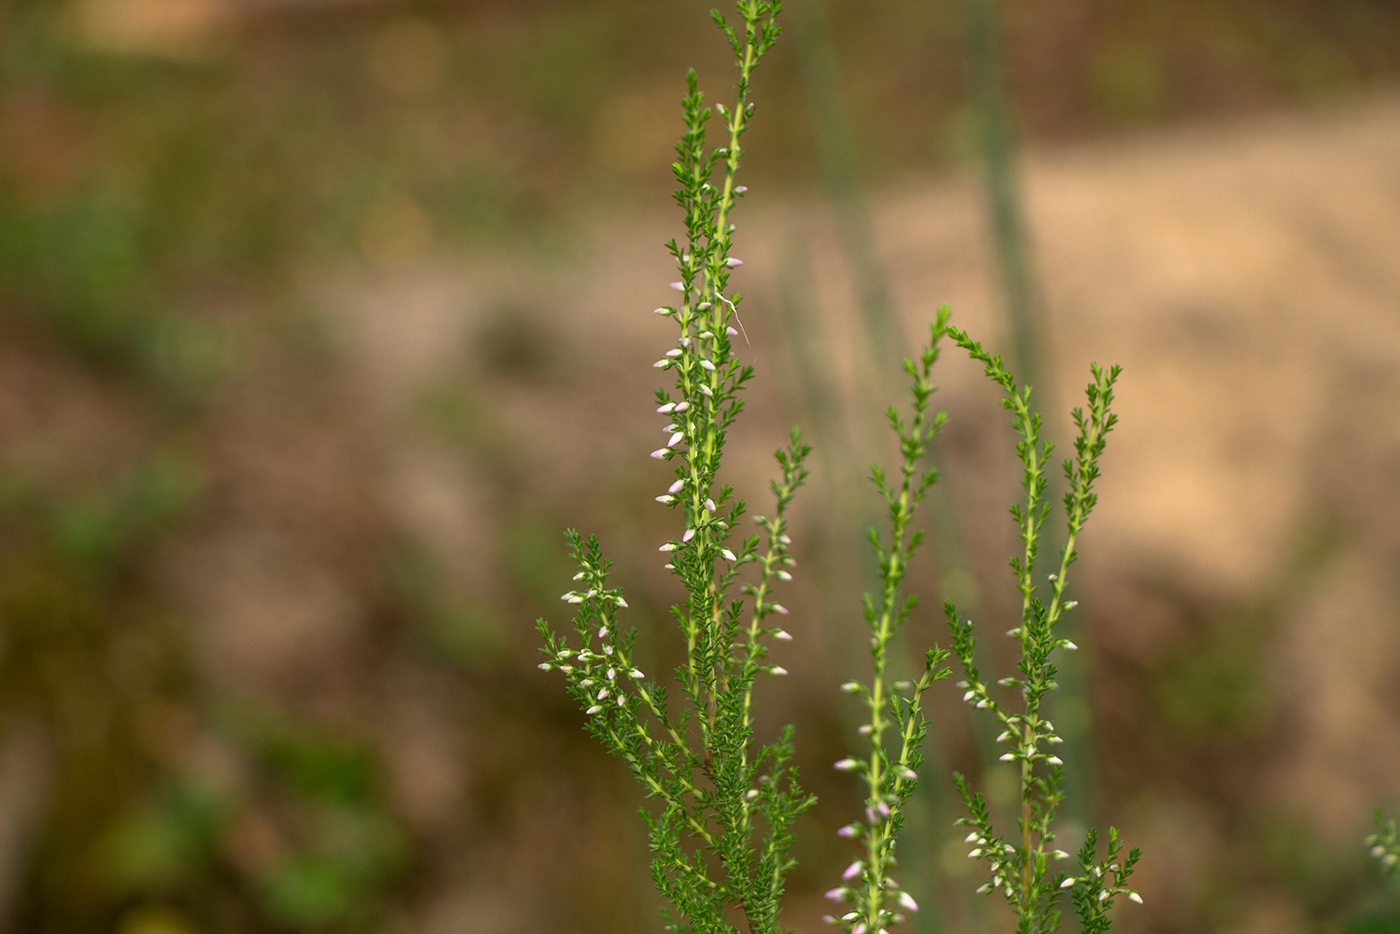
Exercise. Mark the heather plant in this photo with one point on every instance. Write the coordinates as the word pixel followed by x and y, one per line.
pixel 1020 865
pixel 722 804
pixel 721 833
pixel 890 766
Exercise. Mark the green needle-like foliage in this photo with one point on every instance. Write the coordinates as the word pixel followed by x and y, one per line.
pixel 891 766
pixel 1021 865
pixel 723 807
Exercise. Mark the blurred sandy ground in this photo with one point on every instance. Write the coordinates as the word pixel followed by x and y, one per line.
pixel 380 477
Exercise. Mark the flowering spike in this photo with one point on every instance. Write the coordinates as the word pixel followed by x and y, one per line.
pixel 726 631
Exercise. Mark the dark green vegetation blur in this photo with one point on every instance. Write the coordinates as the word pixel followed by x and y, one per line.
pixel 160 194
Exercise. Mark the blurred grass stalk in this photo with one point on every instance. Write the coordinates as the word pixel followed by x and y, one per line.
pixel 839 158
pixel 1023 310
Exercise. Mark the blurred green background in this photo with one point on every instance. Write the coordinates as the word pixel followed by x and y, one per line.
pixel 321 319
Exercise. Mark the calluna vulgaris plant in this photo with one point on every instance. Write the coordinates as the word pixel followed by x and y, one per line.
pixel 1020 867
pixel 720 828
